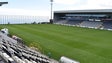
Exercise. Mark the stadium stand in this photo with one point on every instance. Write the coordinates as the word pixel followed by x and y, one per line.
pixel 73 22
pixel 107 24
pixel 61 22
pixel 94 18
pixel 91 24
pixel 88 24
pixel 12 52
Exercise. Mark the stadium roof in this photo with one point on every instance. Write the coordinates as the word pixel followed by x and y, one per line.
pixel 86 11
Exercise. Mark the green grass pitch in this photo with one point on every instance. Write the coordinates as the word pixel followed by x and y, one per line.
pixel 82 44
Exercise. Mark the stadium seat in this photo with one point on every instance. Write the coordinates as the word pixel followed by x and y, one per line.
pixel 91 24
pixel 13 52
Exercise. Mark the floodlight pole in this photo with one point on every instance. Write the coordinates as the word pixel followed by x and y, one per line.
pixel 51 8
pixel 51 17
pixel 2 3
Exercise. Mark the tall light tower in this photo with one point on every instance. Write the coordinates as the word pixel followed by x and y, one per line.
pixel 1 3
pixel 51 19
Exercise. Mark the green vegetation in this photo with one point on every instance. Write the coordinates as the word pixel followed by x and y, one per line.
pixel 82 44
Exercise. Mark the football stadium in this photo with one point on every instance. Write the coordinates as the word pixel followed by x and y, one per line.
pixel 84 36
pixel 70 36
pixel 98 19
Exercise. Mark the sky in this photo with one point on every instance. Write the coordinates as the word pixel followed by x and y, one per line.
pixel 42 7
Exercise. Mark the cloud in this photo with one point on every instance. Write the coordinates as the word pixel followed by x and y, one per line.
pixel 92 4
pixel 68 2
pixel 99 3
pixel 61 5
pixel 11 11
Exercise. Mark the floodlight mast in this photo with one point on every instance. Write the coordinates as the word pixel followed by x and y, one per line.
pixel 51 8
pixel 2 3
pixel 51 17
